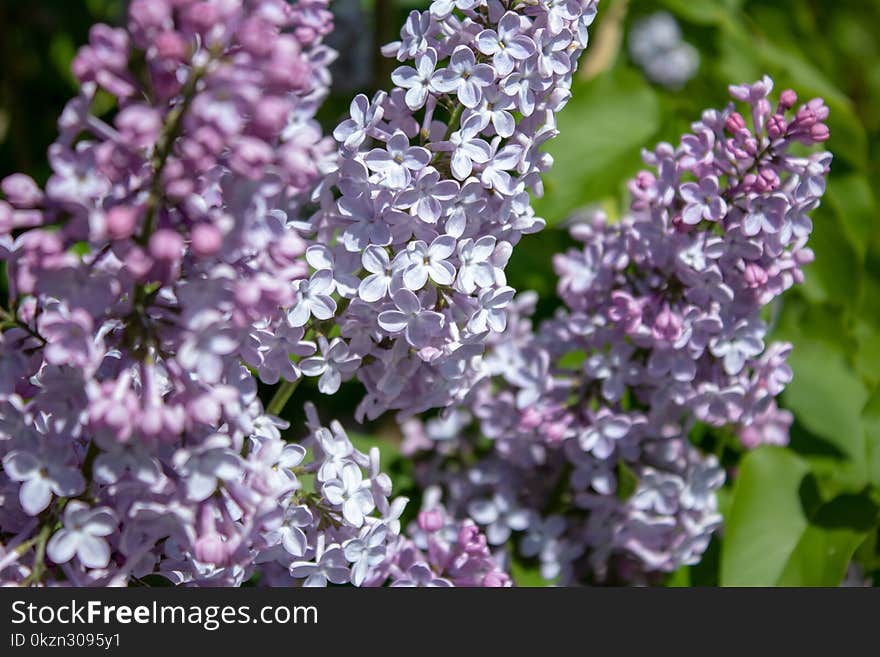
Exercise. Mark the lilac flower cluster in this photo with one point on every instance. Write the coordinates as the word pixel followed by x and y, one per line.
pixel 162 253
pixel 589 417
pixel 432 193
pixel 441 551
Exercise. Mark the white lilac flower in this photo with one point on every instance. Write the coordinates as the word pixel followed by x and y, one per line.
pixel 464 77
pixel 490 312
pixel 506 44
pixel 501 515
pixel 396 162
pixel 314 299
pixel 83 534
pixel 429 261
pixel 335 364
pixel 41 476
pixel 351 493
pixel 416 81
pixel 329 565
pixel 366 552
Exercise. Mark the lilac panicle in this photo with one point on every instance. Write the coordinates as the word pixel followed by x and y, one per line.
pixel 162 256
pixel 432 191
pixel 591 470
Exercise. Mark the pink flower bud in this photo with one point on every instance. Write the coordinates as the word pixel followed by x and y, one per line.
pixel 754 275
pixel 495 580
pixel 431 520
pixel 531 418
pixel 137 262
pixel 554 432
pixel 734 123
pixel 776 126
pixel 139 125
pixel 211 548
pixel 166 245
pixel 121 221
pixel 148 15
pixel 250 157
pixel 769 178
pixel 270 114
pixel 248 294
pixel 206 240
pixel 806 117
pixel 819 133
pixel 258 36
pixel 21 190
pixel 171 46
pixel 202 16
pixel 667 326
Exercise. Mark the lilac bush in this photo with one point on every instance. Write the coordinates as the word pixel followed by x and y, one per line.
pixel 589 414
pixel 204 235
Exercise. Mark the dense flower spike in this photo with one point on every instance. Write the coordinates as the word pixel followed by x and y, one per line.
pixel 590 415
pixel 441 551
pixel 162 253
pixel 431 194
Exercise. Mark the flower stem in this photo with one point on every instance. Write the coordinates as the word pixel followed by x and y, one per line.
pixel 40 557
pixel 170 132
pixel 281 397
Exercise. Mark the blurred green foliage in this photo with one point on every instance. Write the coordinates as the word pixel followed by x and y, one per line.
pixel 795 515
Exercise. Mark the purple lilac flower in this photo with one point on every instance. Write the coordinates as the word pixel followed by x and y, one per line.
pixel 661 329
pixel 432 188
pixel 166 250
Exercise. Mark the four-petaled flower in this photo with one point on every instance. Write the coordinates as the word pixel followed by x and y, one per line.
pixel 418 326
pixel 366 552
pixel 507 45
pixel 351 493
pixel 397 160
pixel 41 476
pixel 82 534
pixel 464 77
pixel 429 262
pixel 330 565
pixel 335 363
pixel 490 313
pixel 702 201
pixel 314 299
pixel 475 269
pixel 417 81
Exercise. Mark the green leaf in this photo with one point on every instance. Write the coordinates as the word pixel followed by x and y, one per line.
pixel 627 481
pixel 603 128
pixel 80 249
pixel 704 12
pixel 680 578
pixel 871 419
pixel 388 451
pixel 573 360
pixel 828 544
pixel 526 575
pixel 852 199
pixel 827 398
pixel 766 518
pixel 780 532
